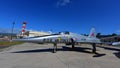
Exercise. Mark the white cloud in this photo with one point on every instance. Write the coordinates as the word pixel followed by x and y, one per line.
pixel 63 2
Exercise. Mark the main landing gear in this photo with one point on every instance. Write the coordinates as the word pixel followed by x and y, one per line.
pixel 73 43
pixel 54 47
pixel 94 48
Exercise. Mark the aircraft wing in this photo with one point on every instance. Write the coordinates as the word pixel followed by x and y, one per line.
pixel 60 38
pixel 46 39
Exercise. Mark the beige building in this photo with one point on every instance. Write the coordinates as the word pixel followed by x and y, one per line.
pixel 32 33
pixel 37 33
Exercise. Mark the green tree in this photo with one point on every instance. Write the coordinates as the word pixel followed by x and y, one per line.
pixel 98 35
pixel 114 34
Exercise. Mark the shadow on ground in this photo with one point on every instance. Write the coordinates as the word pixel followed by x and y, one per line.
pixel 98 55
pixel 77 49
pixel 33 51
pixel 117 54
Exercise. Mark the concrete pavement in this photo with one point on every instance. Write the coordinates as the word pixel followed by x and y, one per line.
pixel 30 55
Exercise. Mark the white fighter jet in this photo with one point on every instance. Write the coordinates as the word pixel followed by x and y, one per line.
pixel 65 37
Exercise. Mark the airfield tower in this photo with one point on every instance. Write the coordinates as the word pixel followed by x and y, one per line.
pixel 24 28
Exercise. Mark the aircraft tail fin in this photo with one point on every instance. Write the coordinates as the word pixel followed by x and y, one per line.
pixel 92 33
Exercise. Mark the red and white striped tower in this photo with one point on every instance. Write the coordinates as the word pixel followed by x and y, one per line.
pixel 23 28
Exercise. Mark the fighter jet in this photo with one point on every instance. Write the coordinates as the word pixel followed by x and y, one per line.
pixel 65 37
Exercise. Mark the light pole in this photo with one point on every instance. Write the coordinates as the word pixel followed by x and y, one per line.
pixel 12 29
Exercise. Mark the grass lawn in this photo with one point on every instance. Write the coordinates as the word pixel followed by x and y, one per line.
pixel 8 44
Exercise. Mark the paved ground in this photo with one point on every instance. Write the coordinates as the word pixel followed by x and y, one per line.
pixel 31 55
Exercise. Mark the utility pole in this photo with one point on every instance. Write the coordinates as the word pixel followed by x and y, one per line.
pixel 12 29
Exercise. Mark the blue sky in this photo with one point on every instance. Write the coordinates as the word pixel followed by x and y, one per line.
pixel 62 15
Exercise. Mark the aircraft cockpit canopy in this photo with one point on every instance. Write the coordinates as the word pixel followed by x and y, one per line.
pixel 65 32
